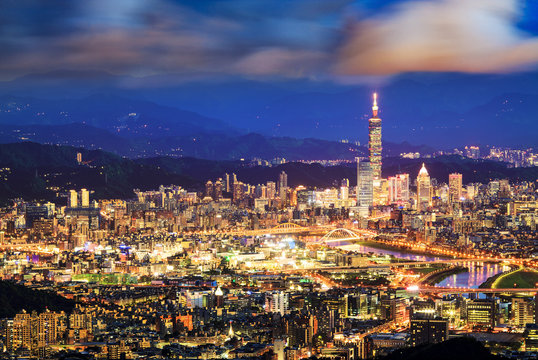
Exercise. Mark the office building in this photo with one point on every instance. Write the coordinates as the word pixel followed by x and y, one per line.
pixel 277 302
pixel 365 190
pixel 85 198
pixel 454 187
pixel 73 199
pixel 423 189
pixel 398 189
pixel 522 311
pixel 481 312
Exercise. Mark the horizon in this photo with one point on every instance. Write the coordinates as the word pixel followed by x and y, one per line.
pixel 306 68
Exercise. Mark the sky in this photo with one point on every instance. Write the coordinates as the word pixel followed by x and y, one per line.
pixel 267 39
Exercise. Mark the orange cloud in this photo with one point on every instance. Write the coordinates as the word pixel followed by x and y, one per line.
pixel 445 35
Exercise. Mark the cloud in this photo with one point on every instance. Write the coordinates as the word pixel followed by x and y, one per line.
pixel 165 36
pixel 278 60
pixel 443 35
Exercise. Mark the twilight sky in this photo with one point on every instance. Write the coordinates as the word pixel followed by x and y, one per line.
pixel 319 39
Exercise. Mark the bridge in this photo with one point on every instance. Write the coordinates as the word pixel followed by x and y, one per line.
pixel 389 265
pixel 343 234
pixel 280 229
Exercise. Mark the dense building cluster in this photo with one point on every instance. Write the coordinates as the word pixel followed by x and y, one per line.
pixel 276 271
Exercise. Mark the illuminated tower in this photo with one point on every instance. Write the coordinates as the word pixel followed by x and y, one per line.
pixel 423 189
pixel 374 141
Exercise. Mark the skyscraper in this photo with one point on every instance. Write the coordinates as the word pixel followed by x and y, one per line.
pixel 454 187
pixel 227 182
pixel 374 142
pixel 423 189
pixel 365 187
pixel 399 188
pixel 283 185
pixel 85 198
pixel 73 199
pixel 283 180
pixel 209 189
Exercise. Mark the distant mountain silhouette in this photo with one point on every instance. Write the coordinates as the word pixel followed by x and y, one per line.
pixel 443 110
pixel 124 117
pixel 215 146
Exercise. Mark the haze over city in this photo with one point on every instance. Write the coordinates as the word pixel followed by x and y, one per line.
pixel 276 180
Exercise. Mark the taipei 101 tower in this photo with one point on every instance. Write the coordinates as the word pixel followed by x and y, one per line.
pixel 374 141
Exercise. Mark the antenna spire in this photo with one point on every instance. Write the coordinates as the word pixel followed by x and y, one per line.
pixel 375 108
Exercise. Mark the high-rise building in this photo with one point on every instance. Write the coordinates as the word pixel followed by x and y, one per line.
pixel 398 189
pixel 344 192
pixel 73 199
pixel 454 187
pixel 85 198
pixel 277 302
pixel 271 189
pixel 423 189
pixel 481 312
pixel 217 190
pixel 209 189
pixel 374 142
pixel 283 185
pixel 227 182
pixel 522 311
pixel 365 184
pixel 283 180
pixel 32 331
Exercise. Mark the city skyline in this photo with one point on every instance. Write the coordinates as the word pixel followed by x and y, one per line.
pixel 269 180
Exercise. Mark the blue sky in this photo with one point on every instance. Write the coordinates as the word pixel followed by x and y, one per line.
pixel 266 39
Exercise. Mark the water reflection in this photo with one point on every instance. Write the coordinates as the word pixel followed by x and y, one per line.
pixel 478 272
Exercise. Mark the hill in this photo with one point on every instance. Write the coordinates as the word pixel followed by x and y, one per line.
pixel 46 172
pixel 14 298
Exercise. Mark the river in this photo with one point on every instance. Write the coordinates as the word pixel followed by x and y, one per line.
pixel 477 274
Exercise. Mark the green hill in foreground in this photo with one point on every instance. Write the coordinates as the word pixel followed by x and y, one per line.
pixel 15 298
pixel 522 278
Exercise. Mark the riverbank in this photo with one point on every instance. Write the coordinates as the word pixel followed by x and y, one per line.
pixel 489 282
pixel 385 246
pixel 441 274
pixel 521 278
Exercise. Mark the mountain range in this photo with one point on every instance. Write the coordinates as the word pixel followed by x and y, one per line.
pixel 134 128
pixel 441 110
